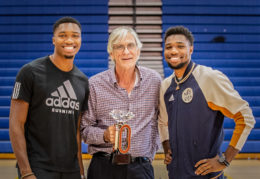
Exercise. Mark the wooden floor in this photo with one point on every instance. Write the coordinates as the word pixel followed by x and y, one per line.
pixel 239 169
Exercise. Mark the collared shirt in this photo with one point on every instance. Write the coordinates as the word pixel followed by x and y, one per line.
pixel 106 95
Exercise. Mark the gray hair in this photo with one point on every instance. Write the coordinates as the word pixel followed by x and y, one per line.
pixel 120 33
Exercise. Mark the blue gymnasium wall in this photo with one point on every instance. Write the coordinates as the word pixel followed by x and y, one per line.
pixel 26 34
pixel 227 37
pixel 26 31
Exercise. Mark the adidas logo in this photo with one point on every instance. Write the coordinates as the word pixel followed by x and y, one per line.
pixel 64 98
pixel 171 98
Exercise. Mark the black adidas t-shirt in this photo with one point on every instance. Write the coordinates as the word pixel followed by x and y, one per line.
pixel 56 100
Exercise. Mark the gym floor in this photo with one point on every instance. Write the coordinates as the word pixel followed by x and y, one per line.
pixel 239 169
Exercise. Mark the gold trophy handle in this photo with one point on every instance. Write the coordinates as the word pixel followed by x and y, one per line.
pixel 116 137
pixel 128 138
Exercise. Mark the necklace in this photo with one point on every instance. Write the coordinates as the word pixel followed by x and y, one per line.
pixel 184 79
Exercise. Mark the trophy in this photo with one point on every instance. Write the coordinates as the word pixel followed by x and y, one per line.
pixel 122 142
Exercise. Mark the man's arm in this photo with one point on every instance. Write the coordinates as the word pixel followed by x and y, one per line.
pixel 206 166
pixel 163 124
pixel 167 152
pixel 224 98
pixel 79 150
pixel 18 116
pixel 91 133
pixel 231 153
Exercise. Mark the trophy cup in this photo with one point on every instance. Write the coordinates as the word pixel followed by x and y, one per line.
pixel 119 155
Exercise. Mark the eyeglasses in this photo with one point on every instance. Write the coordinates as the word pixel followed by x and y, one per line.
pixel 121 48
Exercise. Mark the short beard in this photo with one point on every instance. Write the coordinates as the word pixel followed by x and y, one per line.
pixel 179 66
pixel 68 57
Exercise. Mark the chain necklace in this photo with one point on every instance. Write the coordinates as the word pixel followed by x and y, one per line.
pixel 184 79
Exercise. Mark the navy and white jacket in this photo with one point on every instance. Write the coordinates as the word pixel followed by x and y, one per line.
pixel 191 118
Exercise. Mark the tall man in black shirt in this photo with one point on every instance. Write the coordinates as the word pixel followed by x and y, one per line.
pixel 48 97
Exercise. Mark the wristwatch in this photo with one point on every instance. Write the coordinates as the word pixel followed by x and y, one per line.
pixel 222 160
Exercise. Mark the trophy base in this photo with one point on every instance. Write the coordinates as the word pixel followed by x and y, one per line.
pixel 120 159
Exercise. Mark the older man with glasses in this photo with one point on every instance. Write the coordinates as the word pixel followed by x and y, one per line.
pixel 127 87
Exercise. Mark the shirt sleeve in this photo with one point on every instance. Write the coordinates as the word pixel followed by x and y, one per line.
pixel 224 98
pixel 24 84
pixel 155 133
pixel 90 133
pixel 163 115
pixel 85 102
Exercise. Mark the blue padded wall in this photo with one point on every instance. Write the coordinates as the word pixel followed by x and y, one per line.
pixel 227 37
pixel 26 34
